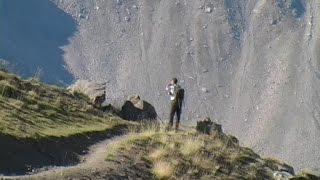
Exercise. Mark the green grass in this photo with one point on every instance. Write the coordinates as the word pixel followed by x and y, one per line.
pixel 190 155
pixel 29 109
pixel 187 154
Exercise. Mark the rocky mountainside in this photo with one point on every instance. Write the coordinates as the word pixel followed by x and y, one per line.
pixel 251 64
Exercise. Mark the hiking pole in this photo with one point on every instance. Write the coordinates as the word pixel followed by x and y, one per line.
pixel 160 119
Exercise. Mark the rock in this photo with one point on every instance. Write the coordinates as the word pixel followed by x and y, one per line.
pixel 205 90
pixel 94 90
pixel 81 16
pixel 206 126
pixel 281 175
pixel 127 18
pixel 137 109
pixel 287 168
pixel 208 9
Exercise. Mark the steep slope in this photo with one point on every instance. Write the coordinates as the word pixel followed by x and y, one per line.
pixel 251 64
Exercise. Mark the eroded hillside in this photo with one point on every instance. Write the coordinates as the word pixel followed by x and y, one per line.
pixel 253 65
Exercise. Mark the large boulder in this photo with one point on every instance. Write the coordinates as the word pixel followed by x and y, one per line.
pixel 206 126
pixel 137 109
pixel 96 91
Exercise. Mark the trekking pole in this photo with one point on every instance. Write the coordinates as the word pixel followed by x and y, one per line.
pixel 160 120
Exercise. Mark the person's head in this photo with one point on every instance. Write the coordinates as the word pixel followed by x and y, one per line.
pixel 174 81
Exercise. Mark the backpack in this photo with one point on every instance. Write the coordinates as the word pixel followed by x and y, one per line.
pixel 179 95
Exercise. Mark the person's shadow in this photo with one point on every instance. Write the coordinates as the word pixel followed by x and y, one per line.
pixel 32 34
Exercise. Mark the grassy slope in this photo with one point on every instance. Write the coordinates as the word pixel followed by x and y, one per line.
pixel 190 155
pixel 29 109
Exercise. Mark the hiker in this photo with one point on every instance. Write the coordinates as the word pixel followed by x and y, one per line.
pixel 176 97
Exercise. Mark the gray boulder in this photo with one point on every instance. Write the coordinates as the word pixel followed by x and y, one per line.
pixel 206 126
pixel 96 91
pixel 137 109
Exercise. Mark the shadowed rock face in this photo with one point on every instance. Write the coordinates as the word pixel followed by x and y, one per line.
pixel 136 109
pixel 253 65
pixel 32 35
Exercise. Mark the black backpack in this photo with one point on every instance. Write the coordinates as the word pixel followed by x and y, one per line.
pixel 179 95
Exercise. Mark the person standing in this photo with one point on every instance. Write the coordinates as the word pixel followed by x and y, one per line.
pixel 176 94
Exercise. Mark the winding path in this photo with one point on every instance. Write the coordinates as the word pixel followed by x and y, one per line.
pixel 93 161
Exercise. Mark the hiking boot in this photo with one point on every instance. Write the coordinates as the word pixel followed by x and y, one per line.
pixel 176 128
pixel 168 128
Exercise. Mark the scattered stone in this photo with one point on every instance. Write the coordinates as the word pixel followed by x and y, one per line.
pixel 127 18
pixel 81 16
pixel 135 7
pixel 208 9
pixel 206 126
pixel 205 90
pixel 205 71
pixel 137 109
pixel 190 52
pixel 97 8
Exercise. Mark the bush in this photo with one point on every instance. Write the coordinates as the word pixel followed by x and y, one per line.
pixel 4 65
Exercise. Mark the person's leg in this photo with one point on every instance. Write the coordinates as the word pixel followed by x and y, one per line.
pixel 178 117
pixel 172 112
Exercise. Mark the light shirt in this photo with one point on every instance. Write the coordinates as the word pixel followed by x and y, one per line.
pixel 171 88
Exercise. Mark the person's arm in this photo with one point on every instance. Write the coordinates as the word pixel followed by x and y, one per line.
pixel 168 88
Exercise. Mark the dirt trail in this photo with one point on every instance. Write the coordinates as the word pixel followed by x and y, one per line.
pixel 93 161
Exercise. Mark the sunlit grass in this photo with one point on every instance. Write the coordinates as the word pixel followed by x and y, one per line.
pixel 29 109
pixel 172 155
pixel 163 169
pixel 191 146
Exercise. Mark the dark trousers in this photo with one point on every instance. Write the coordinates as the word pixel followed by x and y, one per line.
pixel 175 109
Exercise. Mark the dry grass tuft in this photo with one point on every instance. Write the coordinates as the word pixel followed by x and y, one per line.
pixel 158 153
pixel 191 146
pixel 163 169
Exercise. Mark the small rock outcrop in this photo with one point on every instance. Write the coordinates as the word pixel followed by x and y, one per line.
pixel 94 90
pixel 137 109
pixel 281 175
pixel 206 126
pixel 285 171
